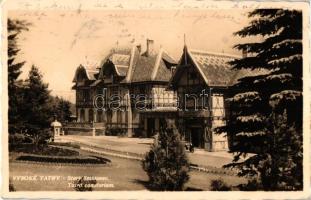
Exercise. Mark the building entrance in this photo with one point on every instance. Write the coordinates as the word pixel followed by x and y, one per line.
pixel 196 137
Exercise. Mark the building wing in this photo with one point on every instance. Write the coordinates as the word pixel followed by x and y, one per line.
pixel 214 68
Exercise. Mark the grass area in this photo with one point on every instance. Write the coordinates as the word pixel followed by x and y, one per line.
pixel 124 174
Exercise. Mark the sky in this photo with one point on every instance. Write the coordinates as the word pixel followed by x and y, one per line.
pixel 59 41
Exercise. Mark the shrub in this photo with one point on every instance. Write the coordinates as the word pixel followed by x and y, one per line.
pixel 83 185
pixel 115 131
pixel 166 163
pixel 252 185
pixel 219 185
pixel 19 139
pixel 138 132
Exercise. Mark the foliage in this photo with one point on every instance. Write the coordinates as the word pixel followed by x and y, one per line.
pixel 42 150
pixel 61 108
pixel 35 110
pixel 29 112
pixel 116 131
pixel 166 163
pixel 83 185
pixel 266 108
pixel 15 28
pixel 219 185
pixel 16 139
pixel 251 185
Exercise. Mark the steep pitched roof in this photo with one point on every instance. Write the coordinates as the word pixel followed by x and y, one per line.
pixel 213 68
pixel 152 67
pixel 90 72
pixel 121 62
pixel 136 67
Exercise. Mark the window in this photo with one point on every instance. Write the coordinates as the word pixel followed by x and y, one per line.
pixel 82 115
pixel 109 117
pixel 99 116
pixel 119 117
pixel 91 115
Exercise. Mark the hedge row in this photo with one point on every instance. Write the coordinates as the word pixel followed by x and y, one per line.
pixel 55 159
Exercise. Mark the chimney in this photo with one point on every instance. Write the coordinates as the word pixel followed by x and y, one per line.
pixel 149 50
pixel 244 53
pixel 139 48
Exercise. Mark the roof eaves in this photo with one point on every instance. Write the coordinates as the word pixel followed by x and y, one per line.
pixel 215 53
pixel 129 74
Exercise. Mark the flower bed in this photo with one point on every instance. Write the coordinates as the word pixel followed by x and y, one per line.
pixel 42 150
pixel 64 159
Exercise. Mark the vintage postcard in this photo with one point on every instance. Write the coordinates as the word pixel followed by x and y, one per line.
pixel 155 99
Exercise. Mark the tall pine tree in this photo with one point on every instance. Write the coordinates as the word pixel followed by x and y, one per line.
pixel 14 28
pixel 36 110
pixel 266 109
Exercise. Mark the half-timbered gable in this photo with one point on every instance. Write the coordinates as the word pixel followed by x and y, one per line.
pixel 201 81
pixel 83 79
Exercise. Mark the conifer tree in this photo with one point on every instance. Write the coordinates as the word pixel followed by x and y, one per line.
pixel 14 28
pixel 166 163
pixel 36 111
pixel 61 108
pixel 266 109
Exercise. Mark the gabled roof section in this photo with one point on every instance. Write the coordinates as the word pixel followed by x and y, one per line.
pixel 137 67
pixel 152 67
pixel 89 72
pixel 120 59
pixel 121 63
pixel 213 67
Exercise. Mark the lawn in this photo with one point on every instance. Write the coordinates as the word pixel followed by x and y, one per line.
pixel 123 174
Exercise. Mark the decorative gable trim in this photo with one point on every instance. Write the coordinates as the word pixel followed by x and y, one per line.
pixel 156 65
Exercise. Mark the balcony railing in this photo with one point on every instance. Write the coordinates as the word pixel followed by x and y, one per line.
pixel 84 124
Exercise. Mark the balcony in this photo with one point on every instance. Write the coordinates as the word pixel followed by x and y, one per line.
pixel 194 113
pixel 84 124
pixel 169 104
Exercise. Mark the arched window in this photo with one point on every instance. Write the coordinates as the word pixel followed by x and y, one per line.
pixel 82 115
